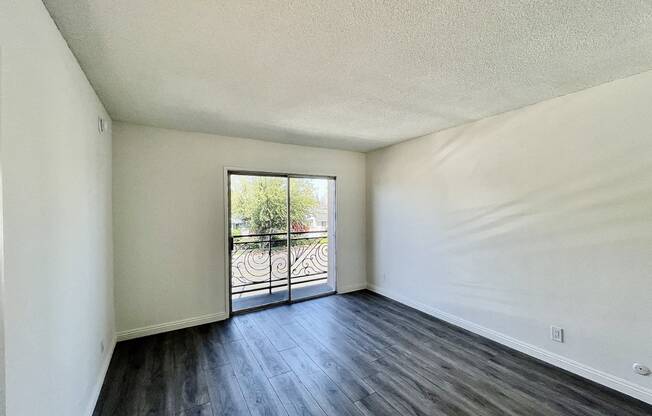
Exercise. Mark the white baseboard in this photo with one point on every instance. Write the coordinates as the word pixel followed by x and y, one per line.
pixel 171 326
pixel 351 288
pixel 600 377
pixel 97 389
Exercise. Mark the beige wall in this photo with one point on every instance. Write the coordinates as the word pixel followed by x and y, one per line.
pixel 2 270
pixel 57 220
pixel 169 215
pixel 537 217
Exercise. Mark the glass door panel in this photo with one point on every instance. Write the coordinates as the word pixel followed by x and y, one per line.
pixel 311 236
pixel 258 240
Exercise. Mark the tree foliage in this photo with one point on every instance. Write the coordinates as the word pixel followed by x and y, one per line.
pixel 261 203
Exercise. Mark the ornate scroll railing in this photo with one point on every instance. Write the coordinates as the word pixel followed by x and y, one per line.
pixel 259 262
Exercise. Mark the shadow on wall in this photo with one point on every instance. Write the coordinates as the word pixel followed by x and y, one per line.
pixel 591 198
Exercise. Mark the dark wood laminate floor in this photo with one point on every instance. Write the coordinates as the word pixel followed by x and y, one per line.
pixel 355 354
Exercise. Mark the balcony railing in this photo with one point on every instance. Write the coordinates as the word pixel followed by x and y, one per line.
pixel 259 262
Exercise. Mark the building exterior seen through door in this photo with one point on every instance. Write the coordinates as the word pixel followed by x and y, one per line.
pixel 281 238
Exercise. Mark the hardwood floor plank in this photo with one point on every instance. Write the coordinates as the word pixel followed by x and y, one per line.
pixel 354 354
pixel 227 331
pixel 190 385
pixel 294 396
pixel 345 355
pixel 122 387
pixel 260 397
pixel 327 394
pixel 477 350
pixel 375 405
pixel 338 370
pixel 395 329
pixel 427 328
pixel 159 394
pixel 282 314
pixel 360 326
pixel 353 316
pixel 225 393
pixel 402 396
pixel 441 394
pixel 267 356
pixel 204 410
pixel 482 369
pixel 369 344
pixel 211 350
pixel 485 391
pixel 570 403
pixel 331 336
pixel 274 332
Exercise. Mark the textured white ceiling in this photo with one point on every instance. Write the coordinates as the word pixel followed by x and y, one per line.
pixel 343 73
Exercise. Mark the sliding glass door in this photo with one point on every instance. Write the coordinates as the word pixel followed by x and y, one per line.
pixel 310 215
pixel 280 235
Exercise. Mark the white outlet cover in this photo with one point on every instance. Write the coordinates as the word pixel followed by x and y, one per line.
pixel 641 369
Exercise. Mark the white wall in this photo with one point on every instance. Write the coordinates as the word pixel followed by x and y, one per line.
pixel 2 270
pixel 2 279
pixel 169 215
pixel 531 218
pixel 57 220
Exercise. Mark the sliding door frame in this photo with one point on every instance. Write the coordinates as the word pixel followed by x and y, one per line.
pixel 228 172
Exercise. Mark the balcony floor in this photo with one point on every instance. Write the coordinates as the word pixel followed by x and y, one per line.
pixel 300 292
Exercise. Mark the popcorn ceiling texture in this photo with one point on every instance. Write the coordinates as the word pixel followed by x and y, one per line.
pixel 354 75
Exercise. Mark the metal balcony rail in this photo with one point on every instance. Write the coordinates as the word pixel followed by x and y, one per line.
pixel 259 262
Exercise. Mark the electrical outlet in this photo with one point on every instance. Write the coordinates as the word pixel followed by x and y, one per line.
pixel 557 334
pixel 641 369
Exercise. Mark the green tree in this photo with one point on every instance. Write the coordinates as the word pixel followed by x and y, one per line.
pixel 261 203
